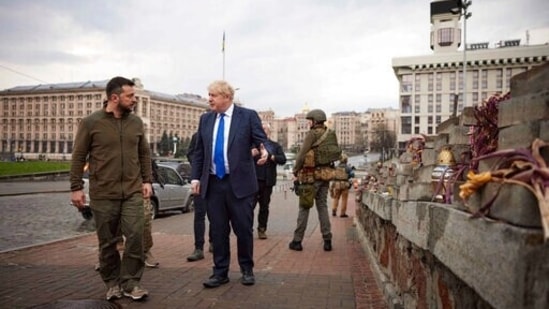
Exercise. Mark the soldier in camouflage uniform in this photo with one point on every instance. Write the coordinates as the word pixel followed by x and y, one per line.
pixel 316 119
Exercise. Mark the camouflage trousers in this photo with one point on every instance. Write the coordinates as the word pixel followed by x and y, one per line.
pixel 147 228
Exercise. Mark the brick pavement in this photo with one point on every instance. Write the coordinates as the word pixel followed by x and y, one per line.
pixel 312 278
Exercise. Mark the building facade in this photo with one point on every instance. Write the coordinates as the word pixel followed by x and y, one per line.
pixel 432 86
pixel 41 121
pixel 347 128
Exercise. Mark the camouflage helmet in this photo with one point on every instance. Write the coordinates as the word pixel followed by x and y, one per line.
pixel 316 115
pixel 343 158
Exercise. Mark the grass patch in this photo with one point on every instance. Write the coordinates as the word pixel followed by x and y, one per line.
pixel 30 167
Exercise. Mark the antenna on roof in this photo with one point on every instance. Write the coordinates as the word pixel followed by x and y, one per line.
pixel 527 37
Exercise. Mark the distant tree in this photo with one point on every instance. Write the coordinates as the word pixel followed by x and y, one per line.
pixel 164 144
pixel 383 141
pixel 183 147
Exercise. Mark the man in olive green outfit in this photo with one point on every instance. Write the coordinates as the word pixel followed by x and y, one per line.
pixel 113 140
pixel 314 138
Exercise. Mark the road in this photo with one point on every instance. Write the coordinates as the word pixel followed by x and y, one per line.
pixel 31 219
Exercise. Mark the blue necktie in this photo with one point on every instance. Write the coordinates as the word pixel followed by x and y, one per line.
pixel 218 155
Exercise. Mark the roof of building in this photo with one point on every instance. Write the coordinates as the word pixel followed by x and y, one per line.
pixel 102 84
pixel 59 86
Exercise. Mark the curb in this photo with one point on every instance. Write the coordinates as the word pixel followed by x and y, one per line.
pixel 34 192
pixel 46 243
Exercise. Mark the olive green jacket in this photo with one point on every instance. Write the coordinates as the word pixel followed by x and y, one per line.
pixel 118 154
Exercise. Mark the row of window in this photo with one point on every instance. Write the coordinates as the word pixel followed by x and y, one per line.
pixel 45 135
pixel 479 80
pixel 38 146
pixel 46 99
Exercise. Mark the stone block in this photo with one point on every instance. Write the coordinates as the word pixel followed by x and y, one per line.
pixel 412 221
pixel 467 117
pixel 490 257
pixel 461 152
pixel 423 173
pixel 519 136
pixel 487 165
pixel 458 135
pixel 380 204
pixel 429 156
pixel 441 140
pixel 415 191
pixel 405 169
pixel 531 81
pixel 402 179
pixel 447 125
pixel 514 204
pixel 526 108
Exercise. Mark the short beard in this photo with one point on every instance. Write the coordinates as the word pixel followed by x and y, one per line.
pixel 124 111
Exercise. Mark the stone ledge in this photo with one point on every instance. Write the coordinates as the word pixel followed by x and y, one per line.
pixel 476 250
pixel 380 205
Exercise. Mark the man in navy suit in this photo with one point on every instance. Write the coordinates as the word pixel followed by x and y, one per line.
pixel 224 174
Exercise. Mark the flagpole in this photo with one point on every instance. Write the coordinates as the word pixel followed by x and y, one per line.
pixel 223 51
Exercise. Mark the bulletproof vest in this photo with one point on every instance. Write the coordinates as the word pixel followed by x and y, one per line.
pixel 326 148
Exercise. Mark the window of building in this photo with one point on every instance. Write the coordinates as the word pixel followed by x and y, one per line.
pixel 438 103
pixel 475 79
pixel 484 79
pixel 417 84
pixel 508 75
pixel 430 82
pixel 405 106
pixel 499 78
pixel 445 36
pixel 406 127
pixel 406 85
pixel 430 103
pixel 453 81
pixel 439 82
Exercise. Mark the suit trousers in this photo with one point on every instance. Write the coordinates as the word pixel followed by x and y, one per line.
pixel 199 226
pixel 263 199
pixel 224 211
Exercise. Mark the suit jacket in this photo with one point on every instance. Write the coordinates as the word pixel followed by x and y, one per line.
pixel 267 171
pixel 245 133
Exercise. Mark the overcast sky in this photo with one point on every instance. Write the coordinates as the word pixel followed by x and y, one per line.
pixel 281 54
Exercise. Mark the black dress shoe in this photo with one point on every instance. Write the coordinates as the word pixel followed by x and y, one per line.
pixel 248 278
pixel 215 281
pixel 328 245
pixel 296 245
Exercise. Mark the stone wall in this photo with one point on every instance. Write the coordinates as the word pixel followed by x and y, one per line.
pixel 435 255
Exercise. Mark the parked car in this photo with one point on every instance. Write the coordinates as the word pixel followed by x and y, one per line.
pixel 183 168
pixel 171 192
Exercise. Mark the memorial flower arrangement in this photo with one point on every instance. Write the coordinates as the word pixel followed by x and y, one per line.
pixel 523 167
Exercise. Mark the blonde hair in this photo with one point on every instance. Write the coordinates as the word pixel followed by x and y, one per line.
pixel 221 87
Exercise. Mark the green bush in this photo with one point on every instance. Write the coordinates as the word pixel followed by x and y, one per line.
pixel 30 167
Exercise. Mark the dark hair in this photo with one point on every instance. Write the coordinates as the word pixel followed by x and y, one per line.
pixel 116 83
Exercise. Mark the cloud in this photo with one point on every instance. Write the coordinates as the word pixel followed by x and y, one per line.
pixel 334 55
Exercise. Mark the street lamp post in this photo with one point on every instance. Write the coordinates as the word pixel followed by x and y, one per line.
pixel 462 6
